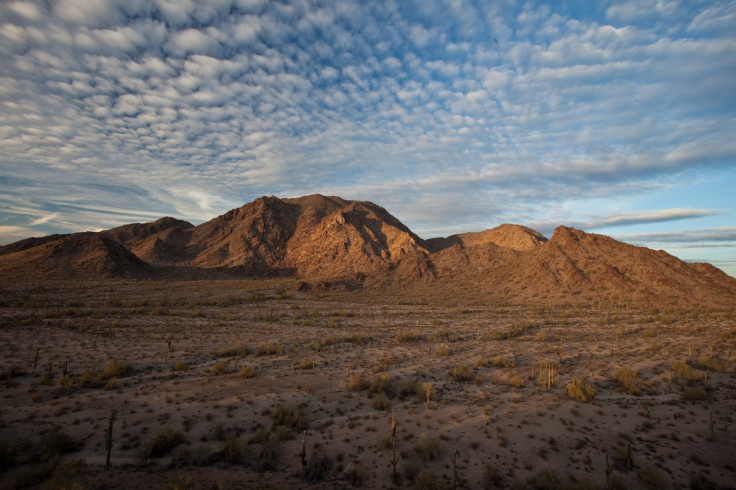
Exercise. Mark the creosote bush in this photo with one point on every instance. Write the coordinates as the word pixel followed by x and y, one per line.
pixel 357 382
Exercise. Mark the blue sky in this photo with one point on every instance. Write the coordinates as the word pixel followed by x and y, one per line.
pixel 455 115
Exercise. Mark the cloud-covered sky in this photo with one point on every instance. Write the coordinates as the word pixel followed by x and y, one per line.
pixel 455 115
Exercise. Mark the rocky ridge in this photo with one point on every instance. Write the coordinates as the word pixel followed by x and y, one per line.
pixel 321 239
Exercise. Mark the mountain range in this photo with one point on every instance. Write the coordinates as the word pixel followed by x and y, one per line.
pixel 326 241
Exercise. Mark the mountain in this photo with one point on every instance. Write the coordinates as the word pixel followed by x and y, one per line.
pixel 80 255
pixel 320 239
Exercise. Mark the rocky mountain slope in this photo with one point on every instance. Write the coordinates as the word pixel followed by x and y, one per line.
pixel 318 238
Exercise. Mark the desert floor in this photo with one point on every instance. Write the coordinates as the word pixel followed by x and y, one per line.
pixel 220 384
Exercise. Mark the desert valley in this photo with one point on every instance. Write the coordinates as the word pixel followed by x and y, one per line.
pixel 319 343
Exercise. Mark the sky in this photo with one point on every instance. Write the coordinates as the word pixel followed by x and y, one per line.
pixel 455 115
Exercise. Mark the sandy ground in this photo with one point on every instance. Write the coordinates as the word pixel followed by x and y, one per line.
pixel 335 366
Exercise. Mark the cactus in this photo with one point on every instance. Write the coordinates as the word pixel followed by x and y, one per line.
pixel 35 359
pixel 108 438
pixel 394 458
pixel 304 453
pixel 608 474
pixel 629 458
pixel 454 470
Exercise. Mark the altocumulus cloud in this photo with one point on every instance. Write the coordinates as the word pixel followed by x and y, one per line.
pixel 453 115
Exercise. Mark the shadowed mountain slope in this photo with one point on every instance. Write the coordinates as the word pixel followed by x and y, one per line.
pixel 319 238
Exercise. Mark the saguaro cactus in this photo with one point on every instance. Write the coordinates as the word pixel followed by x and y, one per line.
pixel 108 438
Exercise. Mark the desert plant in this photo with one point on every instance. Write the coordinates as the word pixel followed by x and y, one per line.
pixel 235 450
pixel 180 366
pixel 381 402
pixel 357 382
pixel 578 389
pixel 220 367
pixel 291 416
pixel 307 363
pixel 428 480
pixel 115 369
pixel 427 448
pixel 246 372
pixel 461 372
pixel 162 443
pixel 491 477
pixel 382 384
pixel 503 361
pixel 270 349
pixel 317 465
pixel 628 380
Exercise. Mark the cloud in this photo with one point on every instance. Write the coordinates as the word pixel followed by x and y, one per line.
pixel 453 115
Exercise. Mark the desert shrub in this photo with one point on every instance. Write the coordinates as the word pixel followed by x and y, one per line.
pixel 462 372
pixel 427 448
pixel 235 450
pixel 162 443
pixel 684 372
pixel 246 372
pixel 713 364
pixel 503 361
pixel 381 402
pixel 239 349
pixel 443 350
pixel 651 478
pixel 307 364
pixel 628 380
pixel 220 367
pixel 269 454
pixel 406 337
pixel 491 477
pixel 291 416
pixel 318 465
pixel 545 479
pixel 357 382
pixel 694 393
pixel 202 455
pixel 88 379
pixel 181 456
pixel 355 474
pixel 270 349
pixel 382 384
pixel 116 369
pixel 580 390
pixel 55 442
pixel 411 468
pixel 181 366
pixel 515 381
pixel 181 481
pixel 428 480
